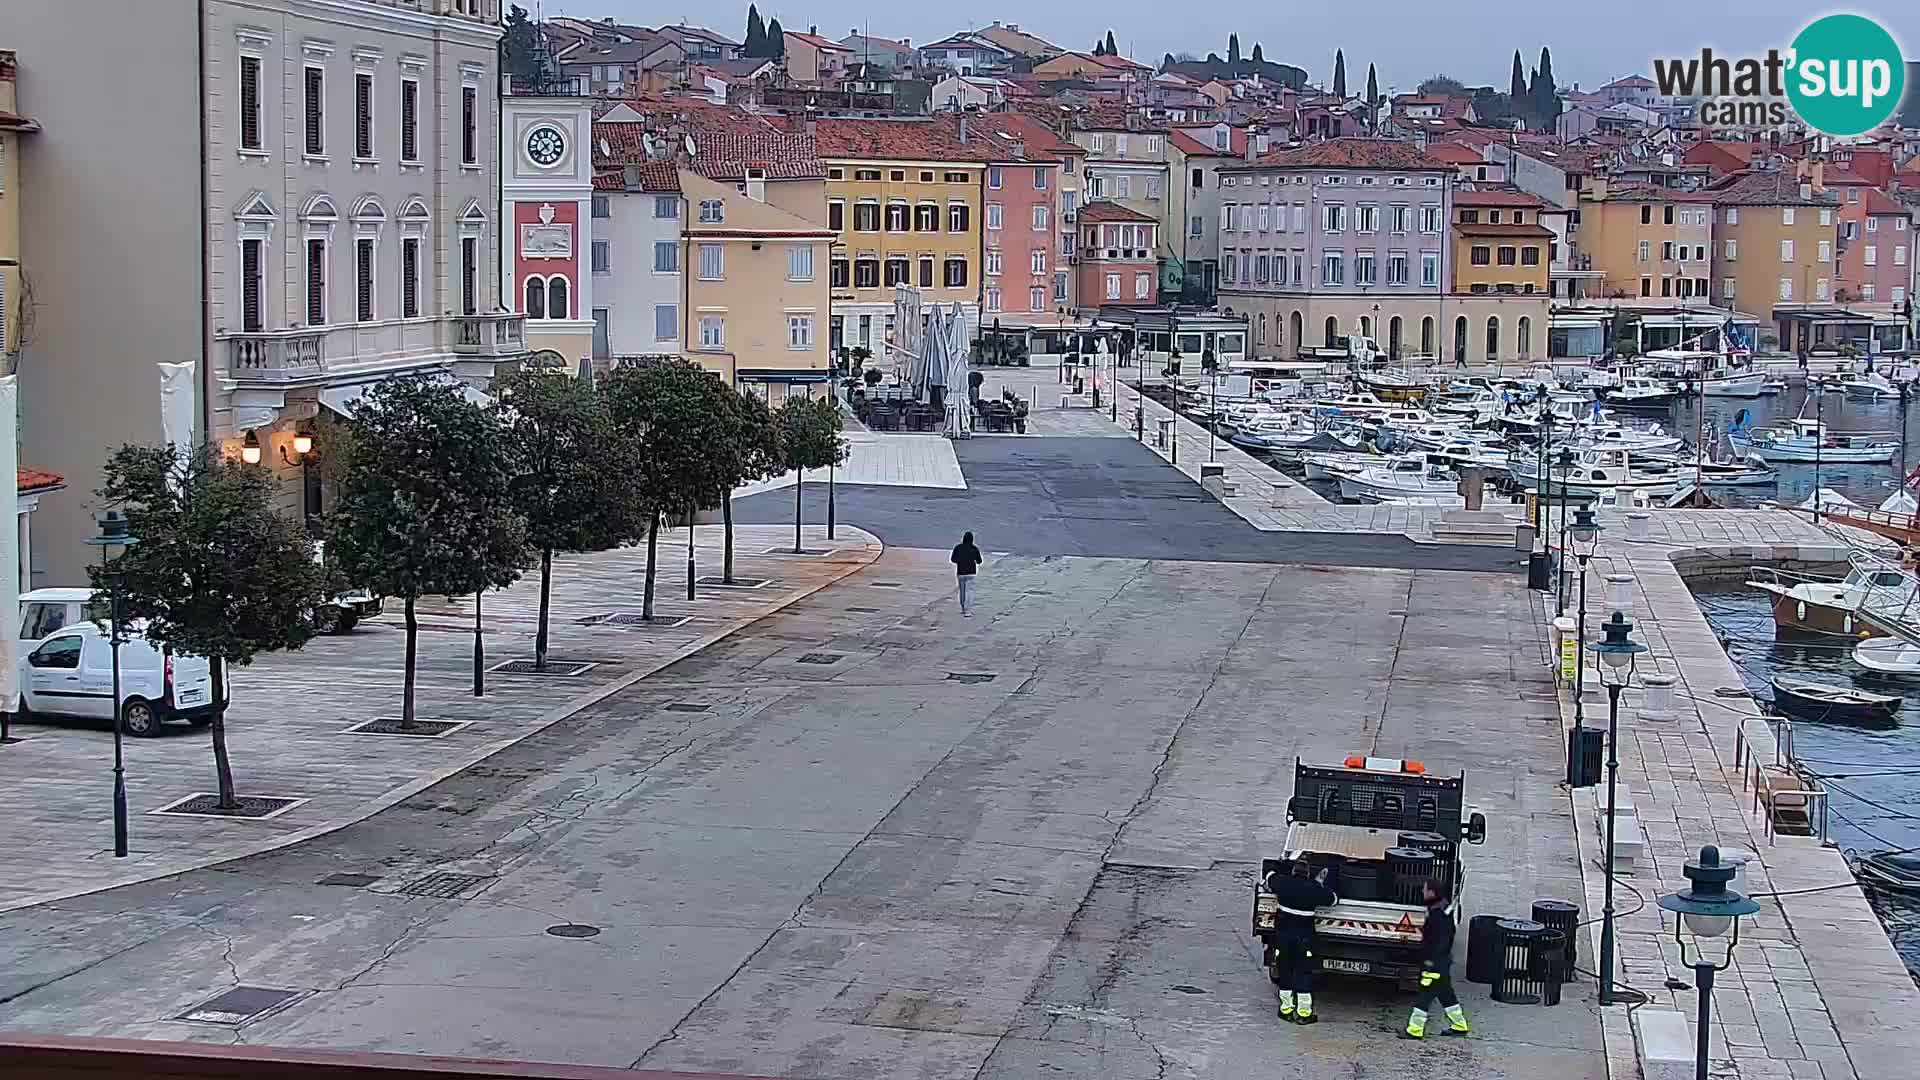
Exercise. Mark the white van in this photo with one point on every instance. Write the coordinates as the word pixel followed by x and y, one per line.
pixel 71 674
pixel 44 611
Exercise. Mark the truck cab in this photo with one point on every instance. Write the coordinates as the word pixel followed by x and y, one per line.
pixel 1380 828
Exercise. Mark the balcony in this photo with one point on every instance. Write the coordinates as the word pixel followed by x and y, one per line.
pixel 277 357
pixel 501 335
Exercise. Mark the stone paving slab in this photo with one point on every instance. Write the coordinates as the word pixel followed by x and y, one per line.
pixel 1815 988
pixel 884 458
pixel 285 729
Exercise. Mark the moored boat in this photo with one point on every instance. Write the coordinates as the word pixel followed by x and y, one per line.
pixel 1745 384
pixel 1888 656
pixel 1808 605
pixel 1895 870
pixel 1804 440
pixel 1806 700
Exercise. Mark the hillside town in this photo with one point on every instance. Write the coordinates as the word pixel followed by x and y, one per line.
pixel 642 546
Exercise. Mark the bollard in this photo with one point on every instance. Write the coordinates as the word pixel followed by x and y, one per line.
pixel 1656 702
pixel 1620 593
pixel 1639 525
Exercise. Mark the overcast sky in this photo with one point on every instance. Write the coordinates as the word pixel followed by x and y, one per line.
pixel 1472 40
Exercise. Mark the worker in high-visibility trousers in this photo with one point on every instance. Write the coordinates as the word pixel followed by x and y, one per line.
pixel 1299 893
pixel 1436 943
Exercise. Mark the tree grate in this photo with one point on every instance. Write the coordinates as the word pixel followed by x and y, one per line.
pixel 688 706
pixel 971 676
pixel 573 930
pixel 350 881
pixel 239 1005
pixel 396 726
pixel 886 584
pixel 556 669
pixel 717 581
pixel 864 610
pixel 803 552
pixel 446 885
pixel 207 804
pixel 821 658
pixel 634 620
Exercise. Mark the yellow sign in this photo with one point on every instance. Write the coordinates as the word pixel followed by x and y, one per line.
pixel 1569 657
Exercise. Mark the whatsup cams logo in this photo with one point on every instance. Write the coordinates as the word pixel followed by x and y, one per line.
pixel 1843 75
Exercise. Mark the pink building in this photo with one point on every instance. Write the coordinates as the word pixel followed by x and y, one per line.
pixel 1117 263
pixel 1034 144
pixel 1876 248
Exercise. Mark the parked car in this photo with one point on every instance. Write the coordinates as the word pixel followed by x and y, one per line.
pixel 44 611
pixel 342 611
pixel 71 674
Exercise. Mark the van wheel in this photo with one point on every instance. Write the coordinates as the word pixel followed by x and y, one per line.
pixel 140 718
pixel 345 622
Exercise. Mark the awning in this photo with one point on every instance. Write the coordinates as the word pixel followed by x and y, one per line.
pixel 342 399
pixel 783 375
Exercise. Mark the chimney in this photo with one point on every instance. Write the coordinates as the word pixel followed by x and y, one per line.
pixel 1819 177
pixel 630 176
pixel 812 119
pixel 756 184
pixel 1254 136
pixel 963 124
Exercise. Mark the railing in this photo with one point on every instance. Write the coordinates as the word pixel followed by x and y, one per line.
pixel 277 356
pixel 501 333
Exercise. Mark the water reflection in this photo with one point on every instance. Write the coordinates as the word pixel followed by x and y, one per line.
pixel 1867 485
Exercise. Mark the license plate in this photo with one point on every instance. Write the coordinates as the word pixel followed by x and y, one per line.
pixel 1352 967
pixel 192 697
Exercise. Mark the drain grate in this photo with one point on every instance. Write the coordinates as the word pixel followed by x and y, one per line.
pixel 573 930
pixel 820 658
pixel 239 1005
pixel 634 620
pixel 688 706
pixel 446 885
pixel 556 669
pixel 717 581
pixel 864 610
pixel 971 676
pixel 886 584
pixel 350 881
pixel 207 804
pixel 418 729
pixel 804 552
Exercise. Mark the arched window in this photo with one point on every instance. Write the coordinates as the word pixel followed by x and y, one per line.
pixel 1297 330
pixel 1426 336
pixel 1526 337
pixel 1260 335
pixel 1493 337
pixel 536 305
pixel 1366 326
pixel 1393 337
pixel 1333 331
pixel 1460 341
pixel 557 298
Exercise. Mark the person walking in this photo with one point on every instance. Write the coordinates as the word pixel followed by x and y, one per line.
pixel 966 562
pixel 1299 893
pixel 1436 944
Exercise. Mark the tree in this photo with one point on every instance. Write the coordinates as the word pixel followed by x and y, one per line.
pixel 1112 50
pixel 1166 63
pixel 567 461
pixel 1440 86
pixel 519 48
pixel 751 444
pixel 809 439
pixel 1233 49
pixel 217 571
pixel 1545 96
pixel 1257 58
pixel 1339 73
pixel 756 43
pixel 1373 97
pixel 665 409
pixel 776 40
pixel 1517 86
pixel 423 508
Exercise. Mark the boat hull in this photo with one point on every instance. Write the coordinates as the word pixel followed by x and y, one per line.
pixel 1874 710
pixel 1888 656
pixel 1740 386
pixel 1816 611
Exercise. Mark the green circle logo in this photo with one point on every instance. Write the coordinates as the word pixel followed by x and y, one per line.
pixel 1846 75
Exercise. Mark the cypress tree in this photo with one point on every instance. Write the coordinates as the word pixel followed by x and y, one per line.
pixel 776 39
pixel 1546 97
pixel 1257 58
pixel 1112 50
pixel 1339 73
pixel 1373 93
pixel 1233 48
pixel 756 43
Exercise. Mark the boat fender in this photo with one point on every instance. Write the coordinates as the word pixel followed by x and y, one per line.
pixel 1846 624
pixel 1801 611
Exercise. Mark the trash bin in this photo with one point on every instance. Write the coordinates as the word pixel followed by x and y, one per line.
pixel 1531 956
pixel 1483 948
pixel 1564 917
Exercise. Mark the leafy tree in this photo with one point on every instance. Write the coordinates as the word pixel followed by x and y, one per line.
pixel 667 411
pixel 1112 50
pixel 1440 86
pixel 1257 58
pixel 217 570
pixel 567 461
pixel 749 449
pixel 1233 49
pixel 809 439
pixel 423 508
pixel 756 43
pixel 519 48
pixel 1339 73
pixel 1166 63
pixel 776 39
pixel 1214 58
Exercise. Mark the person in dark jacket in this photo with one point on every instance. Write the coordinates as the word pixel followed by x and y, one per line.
pixel 966 561
pixel 1299 894
pixel 1436 966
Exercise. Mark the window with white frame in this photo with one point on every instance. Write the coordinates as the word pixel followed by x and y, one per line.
pixel 1866 292
pixel 1396 268
pixel 1786 215
pixel 1262 217
pixel 1429 268
pixel 1039 261
pixel 1870 254
pixel 410 277
pixel 800 262
pixel 1826 252
pixel 1040 178
pixel 1369 218
pixel 251 113
pixel 1826 214
pixel 1333 217
pixel 713 331
pixel 1733 250
pixel 1786 288
pixel 1726 288
pixel 1873 224
pixel 1153 186
pixel 1897 294
pixel 1123 186
pixel 1399 217
pixel 1900 255
pixel 1042 219
pixel 1363 272
pixel 1299 217
pixel 800 333
pixel 1333 268
pixel 666 206
pixel 712 212
pixel 1820 290
pixel 469 125
pixel 1226 217
pixel 469 275
pixel 993 262
pixel 1786 251
pixel 602 257
pixel 1142 286
pixel 410 120
pixel 1262 269
pixel 1197 225
pixel 363 116
pixel 1227 268
pixel 315 91
pixel 252 285
pixel 1113 286
pixel 1037 298
pixel 316 281
pixel 713 262
pixel 994 177
pixel 1733 215
pixel 363 273
pixel 993 299
pixel 666 257
pixel 993 215
pixel 666 322
pixel 1430 218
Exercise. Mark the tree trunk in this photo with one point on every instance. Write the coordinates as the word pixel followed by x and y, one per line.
pixel 546 587
pixel 799 481
pixel 653 537
pixel 222 766
pixel 406 685
pixel 726 516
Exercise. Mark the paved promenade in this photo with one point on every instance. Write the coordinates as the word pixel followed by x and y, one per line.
pixel 287 727
pixel 1816 991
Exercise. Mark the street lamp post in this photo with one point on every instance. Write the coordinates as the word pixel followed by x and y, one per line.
pixel 1617 654
pixel 1709 908
pixel 1212 368
pixel 1565 463
pixel 113 539
pixel 1585 535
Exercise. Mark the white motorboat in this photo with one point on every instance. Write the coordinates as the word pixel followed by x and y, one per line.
pixel 1803 440
pixel 1641 392
pixel 1651 440
pixel 1597 473
pixel 1774 385
pixel 1273 432
pixel 1871 387
pixel 1459 455
pixel 1355 403
pixel 1477 405
pixel 1809 605
pixel 1412 476
pixel 1745 384
pixel 1888 656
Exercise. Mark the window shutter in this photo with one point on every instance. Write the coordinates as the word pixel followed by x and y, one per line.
pixel 409 121
pixel 469 107
pixel 250 313
pixel 469 262
pixel 316 111
pixel 363 259
pixel 316 282
pixel 409 278
pixel 250 102
pixel 363 116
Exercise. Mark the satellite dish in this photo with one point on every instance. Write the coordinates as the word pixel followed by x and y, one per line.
pixel 691 149
pixel 605 150
pixel 648 144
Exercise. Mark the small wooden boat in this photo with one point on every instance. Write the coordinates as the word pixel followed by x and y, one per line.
pixel 1895 870
pixel 1833 704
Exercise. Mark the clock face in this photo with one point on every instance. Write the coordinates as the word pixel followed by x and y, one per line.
pixel 545 145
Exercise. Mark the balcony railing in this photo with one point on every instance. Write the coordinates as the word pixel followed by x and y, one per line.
pixel 277 356
pixel 499 334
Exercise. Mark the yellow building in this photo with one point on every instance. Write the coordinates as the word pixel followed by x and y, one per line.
pixel 12 126
pixel 1499 244
pixel 904 199
pixel 757 300
pixel 1775 237
pixel 1647 240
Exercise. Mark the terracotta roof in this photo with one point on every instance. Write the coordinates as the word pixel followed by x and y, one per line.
pixel 1638 82
pixel 1879 202
pixel 1469 228
pixel 1040 139
pixel 1191 144
pixel 661 177
pixel 817 41
pixel 1496 197
pixel 1752 187
pixel 1455 153
pixel 934 139
pixel 1017 40
pixel 1351 153
pixel 727 152
pixel 1106 210
pixel 30 479
pixel 1636 192
pixel 17 122
pixel 1833 176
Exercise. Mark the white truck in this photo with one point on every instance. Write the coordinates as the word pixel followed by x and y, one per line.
pixel 1358 351
pixel 1379 827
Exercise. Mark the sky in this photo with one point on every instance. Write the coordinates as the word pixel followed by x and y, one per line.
pixel 1472 40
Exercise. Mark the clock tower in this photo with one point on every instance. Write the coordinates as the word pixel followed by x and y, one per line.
pixel 546 180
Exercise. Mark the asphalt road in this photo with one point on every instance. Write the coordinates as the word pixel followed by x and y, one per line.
pixel 810 852
pixel 1101 497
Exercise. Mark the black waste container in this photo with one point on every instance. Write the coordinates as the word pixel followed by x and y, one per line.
pixel 1531 957
pixel 1441 849
pixel 1585 750
pixel 1483 948
pixel 1410 867
pixel 1564 917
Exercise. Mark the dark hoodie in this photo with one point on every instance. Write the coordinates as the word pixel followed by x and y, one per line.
pixel 966 558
